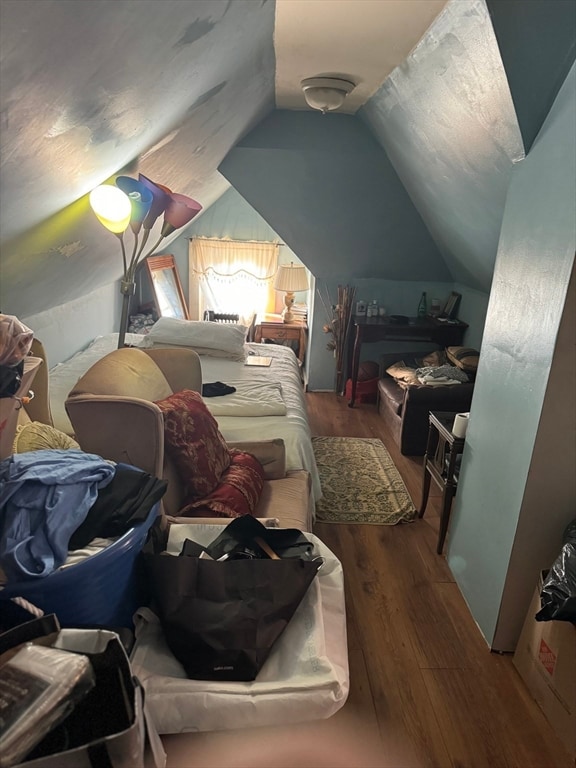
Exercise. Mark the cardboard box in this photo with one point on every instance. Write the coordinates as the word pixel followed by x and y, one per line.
pixel 546 660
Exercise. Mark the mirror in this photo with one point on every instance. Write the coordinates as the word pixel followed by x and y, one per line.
pixel 168 295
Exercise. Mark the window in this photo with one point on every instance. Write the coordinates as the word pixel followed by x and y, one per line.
pixel 232 276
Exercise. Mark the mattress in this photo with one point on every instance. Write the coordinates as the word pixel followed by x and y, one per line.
pixel 283 374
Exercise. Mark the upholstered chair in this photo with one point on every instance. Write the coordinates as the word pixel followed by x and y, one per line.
pixel 114 414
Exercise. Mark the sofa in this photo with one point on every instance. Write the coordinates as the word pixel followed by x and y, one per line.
pixel 114 414
pixel 404 403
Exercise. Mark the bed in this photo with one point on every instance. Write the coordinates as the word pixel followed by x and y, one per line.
pixel 281 380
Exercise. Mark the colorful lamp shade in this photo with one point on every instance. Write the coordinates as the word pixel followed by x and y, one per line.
pixel 161 199
pixel 140 199
pixel 179 212
pixel 139 203
pixel 112 207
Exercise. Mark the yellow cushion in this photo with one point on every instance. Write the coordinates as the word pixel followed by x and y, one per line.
pixel 36 436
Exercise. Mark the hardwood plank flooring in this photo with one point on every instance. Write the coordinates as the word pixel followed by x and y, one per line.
pixel 425 691
pixel 446 699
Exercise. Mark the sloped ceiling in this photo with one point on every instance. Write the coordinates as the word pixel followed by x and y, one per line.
pixel 92 89
pixel 537 43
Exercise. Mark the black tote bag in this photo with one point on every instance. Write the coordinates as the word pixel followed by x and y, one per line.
pixel 221 619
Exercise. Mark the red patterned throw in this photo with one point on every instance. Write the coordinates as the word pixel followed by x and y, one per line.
pixel 227 483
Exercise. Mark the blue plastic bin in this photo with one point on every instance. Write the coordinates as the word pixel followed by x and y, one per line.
pixel 105 589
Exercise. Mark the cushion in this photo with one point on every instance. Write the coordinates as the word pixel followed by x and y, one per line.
pixel 437 357
pixel 403 374
pixel 237 493
pixel 35 436
pixel 224 337
pixel 465 358
pixel 194 443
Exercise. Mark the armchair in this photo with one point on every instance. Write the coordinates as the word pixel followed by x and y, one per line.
pixel 112 409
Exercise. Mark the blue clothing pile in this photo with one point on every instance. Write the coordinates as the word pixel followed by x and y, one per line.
pixel 44 497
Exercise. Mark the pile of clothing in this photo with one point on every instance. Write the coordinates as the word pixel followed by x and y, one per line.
pixel 441 375
pixel 53 502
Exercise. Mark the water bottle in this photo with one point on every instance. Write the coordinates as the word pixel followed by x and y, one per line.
pixel 422 308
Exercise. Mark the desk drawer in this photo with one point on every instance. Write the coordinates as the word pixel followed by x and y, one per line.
pixel 280 334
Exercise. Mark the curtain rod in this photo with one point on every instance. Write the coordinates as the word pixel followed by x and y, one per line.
pixel 235 240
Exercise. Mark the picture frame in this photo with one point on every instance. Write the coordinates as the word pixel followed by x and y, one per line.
pixel 451 307
pixel 167 290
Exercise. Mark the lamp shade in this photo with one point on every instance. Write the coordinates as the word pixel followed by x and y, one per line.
pixel 179 211
pixel 161 198
pixel 112 207
pixel 140 199
pixel 290 278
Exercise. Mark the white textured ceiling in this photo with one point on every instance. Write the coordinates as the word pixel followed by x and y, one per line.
pixel 360 40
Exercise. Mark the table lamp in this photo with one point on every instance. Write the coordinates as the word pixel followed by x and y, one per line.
pixel 290 278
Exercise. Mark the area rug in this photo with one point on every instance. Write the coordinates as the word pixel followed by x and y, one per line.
pixel 360 483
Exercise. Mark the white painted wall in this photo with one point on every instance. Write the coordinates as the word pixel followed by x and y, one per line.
pixel 70 327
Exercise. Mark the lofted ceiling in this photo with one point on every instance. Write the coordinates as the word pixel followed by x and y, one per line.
pixel 169 87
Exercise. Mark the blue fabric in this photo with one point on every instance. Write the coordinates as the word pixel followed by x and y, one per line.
pixel 44 496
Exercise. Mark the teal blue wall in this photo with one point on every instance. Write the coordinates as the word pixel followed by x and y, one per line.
pixel 328 189
pixel 399 297
pixel 538 46
pixel 447 122
pixel 533 267
pixel 230 216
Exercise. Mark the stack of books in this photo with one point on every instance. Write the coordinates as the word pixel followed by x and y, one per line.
pixel 300 313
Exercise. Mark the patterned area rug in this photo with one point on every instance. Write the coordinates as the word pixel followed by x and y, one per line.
pixel 360 483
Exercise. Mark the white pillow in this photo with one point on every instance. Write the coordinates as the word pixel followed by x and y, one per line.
pixel 224 337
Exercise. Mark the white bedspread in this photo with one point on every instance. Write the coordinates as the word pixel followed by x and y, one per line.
pixel 252 398
pixel 283 373
pixel 293 428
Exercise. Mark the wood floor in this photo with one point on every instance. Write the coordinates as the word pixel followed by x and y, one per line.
pixel 425 691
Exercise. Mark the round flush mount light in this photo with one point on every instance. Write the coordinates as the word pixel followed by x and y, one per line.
pixel 326 93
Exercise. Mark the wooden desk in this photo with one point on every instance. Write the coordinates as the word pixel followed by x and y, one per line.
pixel 367 330
pixel 279 331
pixel 440 465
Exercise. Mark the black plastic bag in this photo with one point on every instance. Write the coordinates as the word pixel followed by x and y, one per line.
pixel 222 618
pixel 558 595
pixel 243 534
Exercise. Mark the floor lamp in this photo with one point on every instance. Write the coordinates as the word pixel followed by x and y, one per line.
pixel 138 204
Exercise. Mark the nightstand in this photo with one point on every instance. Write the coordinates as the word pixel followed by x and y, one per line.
pixel 279 331
pixel 441 464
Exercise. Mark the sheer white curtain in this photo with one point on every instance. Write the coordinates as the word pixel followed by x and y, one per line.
pixel 232 276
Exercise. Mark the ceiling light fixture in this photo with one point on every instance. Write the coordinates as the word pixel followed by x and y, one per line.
pixel 326 93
